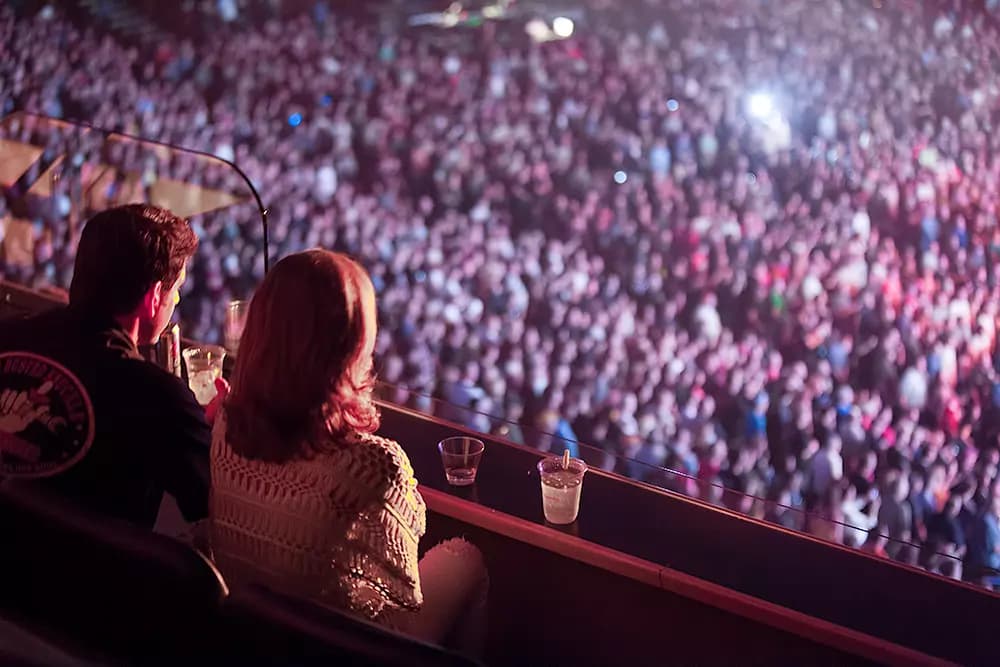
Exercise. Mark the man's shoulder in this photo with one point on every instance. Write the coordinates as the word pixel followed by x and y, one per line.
pixel 147 392
pixel 146 378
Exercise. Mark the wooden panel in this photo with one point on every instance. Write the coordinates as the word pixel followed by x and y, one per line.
pixel 769 617
pixel 546 609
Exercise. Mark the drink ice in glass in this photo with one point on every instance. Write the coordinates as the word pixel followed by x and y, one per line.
pixel 561 487
pixel 204 367
pixel 202 383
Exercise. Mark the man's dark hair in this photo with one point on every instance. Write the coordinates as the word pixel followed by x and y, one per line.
pixel 123 252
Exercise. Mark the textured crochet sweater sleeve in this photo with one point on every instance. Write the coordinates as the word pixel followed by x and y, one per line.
pixel 401 514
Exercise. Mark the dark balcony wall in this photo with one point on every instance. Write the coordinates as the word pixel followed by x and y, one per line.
pixel 549 610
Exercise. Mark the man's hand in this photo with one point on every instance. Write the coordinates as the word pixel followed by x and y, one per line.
pixel 212 409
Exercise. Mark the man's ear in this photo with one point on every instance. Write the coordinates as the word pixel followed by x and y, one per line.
pixel 152 299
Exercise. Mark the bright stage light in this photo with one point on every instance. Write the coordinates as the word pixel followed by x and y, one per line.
pixel 760 105
pixel 562 26
pixel 537 29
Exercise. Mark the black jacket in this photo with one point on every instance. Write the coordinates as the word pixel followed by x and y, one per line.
pixel 150 434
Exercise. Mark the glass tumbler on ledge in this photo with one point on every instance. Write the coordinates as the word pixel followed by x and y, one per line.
pixel 461 456
pixel 562 482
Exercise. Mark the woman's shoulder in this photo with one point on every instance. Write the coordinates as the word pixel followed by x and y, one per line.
pixel 385 453
pixel 358 456
pixel 384 444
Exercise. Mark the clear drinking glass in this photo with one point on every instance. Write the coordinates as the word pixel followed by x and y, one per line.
pixel 204 367
pixel 461 456
pixel 561 486
pixel 236 320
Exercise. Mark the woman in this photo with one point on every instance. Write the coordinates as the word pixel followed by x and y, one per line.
pixel 304 497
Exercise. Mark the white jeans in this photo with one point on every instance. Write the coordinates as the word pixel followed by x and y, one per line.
pixel 455 585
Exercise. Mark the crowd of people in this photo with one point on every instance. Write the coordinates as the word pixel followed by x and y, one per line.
pixel 751 242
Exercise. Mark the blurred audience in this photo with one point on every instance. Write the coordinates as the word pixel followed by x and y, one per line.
pixel 754 241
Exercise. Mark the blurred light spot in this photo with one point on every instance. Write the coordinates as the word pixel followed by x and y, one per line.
pixel 562 26
pixel 760 105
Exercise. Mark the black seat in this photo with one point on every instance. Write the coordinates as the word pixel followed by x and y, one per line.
pixel 262 627
pixel 100 587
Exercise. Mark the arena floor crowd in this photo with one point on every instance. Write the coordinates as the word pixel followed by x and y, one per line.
pixel 752 242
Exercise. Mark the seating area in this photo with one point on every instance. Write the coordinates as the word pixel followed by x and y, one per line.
pixel 101 592
pixel 81 590
pixel 86 590
pixel 94 591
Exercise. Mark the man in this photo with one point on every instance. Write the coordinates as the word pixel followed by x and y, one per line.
pixel 827 466
pixel 984 545
pixel 895 518
pixel 147 433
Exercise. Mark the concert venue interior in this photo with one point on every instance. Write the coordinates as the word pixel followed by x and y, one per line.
pixel 708 291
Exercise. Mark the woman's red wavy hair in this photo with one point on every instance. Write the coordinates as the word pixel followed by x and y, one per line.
pixel 304 369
